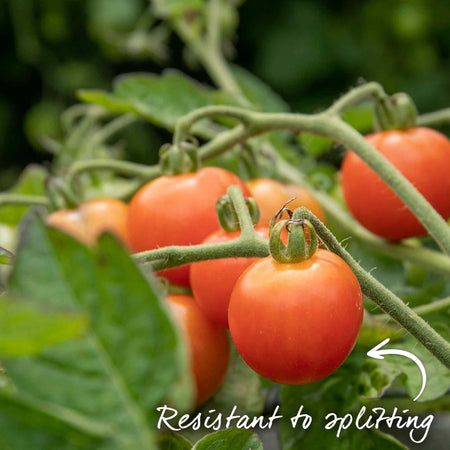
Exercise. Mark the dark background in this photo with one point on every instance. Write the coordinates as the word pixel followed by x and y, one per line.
pixel 308 51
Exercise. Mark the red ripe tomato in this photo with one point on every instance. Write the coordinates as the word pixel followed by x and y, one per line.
pixel 212 281
pixel 207 343
pixel 178 210
pixel 296 323
pixel 422 155
pixel 92 218
pixel 271 195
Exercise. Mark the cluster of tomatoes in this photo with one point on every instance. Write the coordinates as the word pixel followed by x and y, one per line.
pixel 293 323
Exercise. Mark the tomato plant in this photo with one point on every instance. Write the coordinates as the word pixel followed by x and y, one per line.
pixel 296 323
pixel 212 281
pixel 92 218
pixel 271 196
pixel 177 210
pixel 208 345
pixel 422 155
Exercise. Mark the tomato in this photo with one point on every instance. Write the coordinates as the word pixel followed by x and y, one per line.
pixel 207 343
pixel 178 210
pixel 422 155
pixel 212 281
pixel 296 323
pixel 91 219
pixel 271 195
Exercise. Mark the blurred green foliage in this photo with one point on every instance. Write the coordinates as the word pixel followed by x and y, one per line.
pixel 309 51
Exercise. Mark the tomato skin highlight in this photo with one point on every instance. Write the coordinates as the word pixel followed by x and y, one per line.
pixel 178 210
pixel 271 195
pixel 213 281
pixel 296 323
pixel 208 345
pixel 422 155
pixel 92 218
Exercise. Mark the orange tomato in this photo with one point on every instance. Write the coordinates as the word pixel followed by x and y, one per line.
pixel 91 219
pixel 271 195
pixel 207 343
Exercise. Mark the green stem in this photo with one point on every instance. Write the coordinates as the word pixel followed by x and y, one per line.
pixel 383 297
pixel 434 118
pixel 124 168
pixel 330 126
pixel 211 58
pixel 248 244
pixel 113 127
pixel 22 199
pixel 356 95
pixel 184 124
pixel 425 310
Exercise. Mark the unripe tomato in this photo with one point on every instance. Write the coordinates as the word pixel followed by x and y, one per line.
pixel 271 195
pixel 178 210
pixel 213 281
pixel 91 219
pixel 207 343
pixel 422 155
pixel 296 323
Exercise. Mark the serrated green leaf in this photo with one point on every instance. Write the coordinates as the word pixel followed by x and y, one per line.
pixel 232 438
pixel 161 100
pixel 26 328
pixel 30 182
pixel 125 367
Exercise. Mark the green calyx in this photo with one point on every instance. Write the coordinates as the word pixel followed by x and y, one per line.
pixel 180 158
pixel 302 239
pixel 228 217
pixel 396 112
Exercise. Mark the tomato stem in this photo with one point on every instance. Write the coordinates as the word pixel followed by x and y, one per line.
pixel 249 243
pixel 325 124
pixel 23 200
pixel 383 297
pixel 440 305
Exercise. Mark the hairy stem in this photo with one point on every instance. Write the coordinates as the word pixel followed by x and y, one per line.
pixel 248 244
pixel 22 199
pixel 425 310
pixel 434 118
pixel 369 90
pixel 330 126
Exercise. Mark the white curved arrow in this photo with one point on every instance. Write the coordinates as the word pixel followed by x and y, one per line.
pixel 377 353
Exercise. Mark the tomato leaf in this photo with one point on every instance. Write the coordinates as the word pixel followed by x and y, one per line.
pixel 338 393
pixel 162 100
pixel 438 376
pixel 172 441
pixel 231 438
pixel 118 373
pixel 27 328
